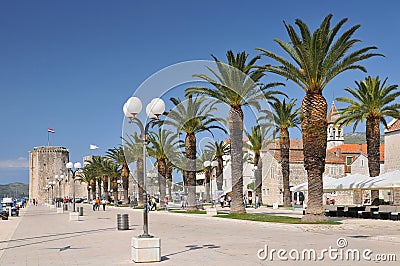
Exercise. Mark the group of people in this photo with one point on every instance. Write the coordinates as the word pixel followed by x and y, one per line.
pixel 225 200
pixel 96 204
pixel 249 201
pixel 152 203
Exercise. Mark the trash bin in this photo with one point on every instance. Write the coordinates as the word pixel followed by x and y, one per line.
pixel 80 211
pixel 122 221
pixel 4 215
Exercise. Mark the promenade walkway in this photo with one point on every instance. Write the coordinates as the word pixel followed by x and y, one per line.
pixel 43 237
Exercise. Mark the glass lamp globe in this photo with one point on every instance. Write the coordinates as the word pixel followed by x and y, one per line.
pixel 134 106
pixel 126 113
pixel 69 165
pixel 77 165
pixel 56 177
pixel 214 163
pixel 157 106
pixel 149 113
pixel 207 163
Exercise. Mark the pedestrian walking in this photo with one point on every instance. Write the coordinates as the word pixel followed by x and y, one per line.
pixel 153 204
pixel 103 202
pixel 97 203
pixel 166 203
pixel 257 205
pixel 94 204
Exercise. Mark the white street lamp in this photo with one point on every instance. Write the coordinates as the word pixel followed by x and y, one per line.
pixel 153 110
pixel 73 168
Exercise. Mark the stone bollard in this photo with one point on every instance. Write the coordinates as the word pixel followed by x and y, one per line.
pixel 74 216
pixel 146 249
pixel 212 211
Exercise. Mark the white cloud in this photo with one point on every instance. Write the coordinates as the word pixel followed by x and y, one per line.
pixel 20 162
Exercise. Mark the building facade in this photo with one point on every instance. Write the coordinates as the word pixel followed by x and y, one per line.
pixel 44 163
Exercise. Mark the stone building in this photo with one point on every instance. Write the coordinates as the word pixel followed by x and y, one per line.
pixel 272 184
pixel 392 146
pixel 44 163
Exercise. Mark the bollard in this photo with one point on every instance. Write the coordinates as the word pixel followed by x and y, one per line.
pixel 122 221
pixel 65 207
pixel 80 211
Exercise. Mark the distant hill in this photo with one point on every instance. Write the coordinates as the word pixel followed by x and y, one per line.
pixel 17 190
pixel 357 138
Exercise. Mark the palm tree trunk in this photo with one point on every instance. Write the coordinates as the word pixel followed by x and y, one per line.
pixel 125 181
pixel 139 171
pixel 258 177
pixel 115 190
pixel 219 172
pixel 162 173
pixel 169 180
pixel 235 118
pixel 93 185
pixel 284 139
pixel 314 128
pixel 373 144
pixel 207 184
pixel 105 187
pixel 190 149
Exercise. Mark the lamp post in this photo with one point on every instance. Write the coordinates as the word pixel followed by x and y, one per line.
pixel 119 182
pixel 51 184
pixel 47 187
pixel 73 168
pixel 59 178
pixel 153 110
pixel 212 165
pixel 254 169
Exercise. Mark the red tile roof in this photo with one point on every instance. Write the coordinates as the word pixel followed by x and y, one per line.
pixel 394 126
pixel 357 149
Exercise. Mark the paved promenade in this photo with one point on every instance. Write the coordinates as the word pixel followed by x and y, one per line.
pixel 43 237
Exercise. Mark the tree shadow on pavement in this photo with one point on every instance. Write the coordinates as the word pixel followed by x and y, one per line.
pixel 190 248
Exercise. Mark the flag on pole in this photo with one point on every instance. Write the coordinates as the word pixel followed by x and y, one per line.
pixel 93 147
pixel 50 130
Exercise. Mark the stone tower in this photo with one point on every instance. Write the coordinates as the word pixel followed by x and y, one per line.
pixel 335 133
pixel 44 163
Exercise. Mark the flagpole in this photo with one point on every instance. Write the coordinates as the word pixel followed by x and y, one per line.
pixel 48 138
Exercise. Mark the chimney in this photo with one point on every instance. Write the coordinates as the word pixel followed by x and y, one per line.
pixel 339 152
pixel 360 147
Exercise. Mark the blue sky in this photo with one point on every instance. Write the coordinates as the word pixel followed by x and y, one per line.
pixel 71 65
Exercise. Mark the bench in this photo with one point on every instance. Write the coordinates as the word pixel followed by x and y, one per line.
pixel 384 212
pixel 369 210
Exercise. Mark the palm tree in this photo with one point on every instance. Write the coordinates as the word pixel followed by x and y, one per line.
pixel 162 144
pixel 88 175
pixel 236 85
pixel 118 156
pixel 133 148
pixel 317 59
pixel 114 171
pixel 220 149
pixel 192 116
pixel 284 117
pixel 373 102
pixel 257 139
pixel 207 155
pixel 95 166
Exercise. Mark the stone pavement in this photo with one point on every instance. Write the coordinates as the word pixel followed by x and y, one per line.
pixel 43 237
